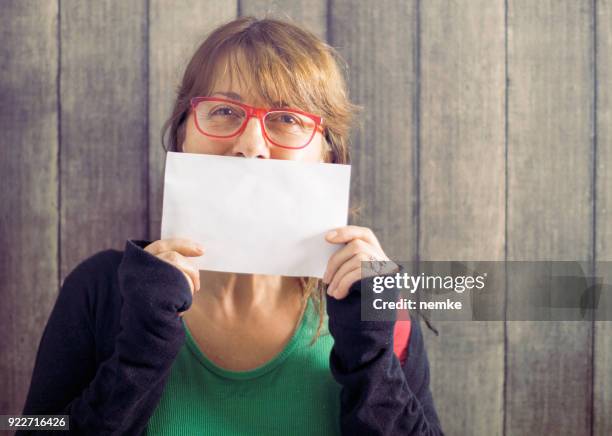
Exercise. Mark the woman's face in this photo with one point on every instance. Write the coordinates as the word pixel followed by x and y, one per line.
pixel 251 142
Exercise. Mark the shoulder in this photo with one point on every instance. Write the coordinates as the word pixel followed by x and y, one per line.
pixel 90 298
pixel 91 288
pixel 94 273
pixel 100 264
pixel 88 289
pixel 99 271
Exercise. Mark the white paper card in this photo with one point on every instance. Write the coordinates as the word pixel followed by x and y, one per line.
pixel 257 216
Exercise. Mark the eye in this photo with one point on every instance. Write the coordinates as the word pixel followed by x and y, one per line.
pixel 285 119
pixel 223 111
pixel 289 119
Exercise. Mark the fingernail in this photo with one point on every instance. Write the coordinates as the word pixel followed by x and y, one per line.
pixel 332 234
pixel 200 248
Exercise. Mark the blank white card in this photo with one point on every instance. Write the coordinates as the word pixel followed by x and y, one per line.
pixel 257 216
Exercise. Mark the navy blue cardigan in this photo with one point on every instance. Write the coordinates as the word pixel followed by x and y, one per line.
pixel 113 334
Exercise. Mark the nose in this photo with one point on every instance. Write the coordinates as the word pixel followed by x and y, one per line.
pixel 251 142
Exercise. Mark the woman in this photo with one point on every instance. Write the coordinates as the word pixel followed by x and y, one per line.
pixel 140 342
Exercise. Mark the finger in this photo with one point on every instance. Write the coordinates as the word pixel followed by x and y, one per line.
pixel 348 233
pixel 344 254
pixel 189 268
pixel 184 246
pixel 185 266
pixel 346 282
pixel 349 265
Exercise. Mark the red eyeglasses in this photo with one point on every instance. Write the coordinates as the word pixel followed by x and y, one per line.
pixel 286 128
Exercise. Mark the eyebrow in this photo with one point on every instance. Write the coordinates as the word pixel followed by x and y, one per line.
pixel 230 95
pixel 234 96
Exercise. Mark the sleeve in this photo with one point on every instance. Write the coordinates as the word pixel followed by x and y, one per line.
pixel 121 393
pixel 378 396
pixel 416 371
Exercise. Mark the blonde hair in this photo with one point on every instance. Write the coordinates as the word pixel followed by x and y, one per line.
pixel 285 63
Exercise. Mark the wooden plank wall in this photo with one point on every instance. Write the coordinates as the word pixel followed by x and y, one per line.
pixel 602 330
pixel 103 172
pixel 461 201
pixel 485 135
pixel 384 139
pixel 550 212
pixel 29 268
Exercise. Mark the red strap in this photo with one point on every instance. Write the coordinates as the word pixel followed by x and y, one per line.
pixel 401 337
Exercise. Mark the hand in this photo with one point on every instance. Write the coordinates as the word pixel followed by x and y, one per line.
pixel 173 251
pixel 344 267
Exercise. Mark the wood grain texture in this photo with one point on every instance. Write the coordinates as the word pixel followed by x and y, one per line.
pixel 312 14
pixel 602 355
pixel 550 204
pixel 28 189
pixel 103 88
pixel 462 194
pixel 382 79
pixel 176 29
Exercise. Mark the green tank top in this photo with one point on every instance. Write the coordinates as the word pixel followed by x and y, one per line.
pixel 292 394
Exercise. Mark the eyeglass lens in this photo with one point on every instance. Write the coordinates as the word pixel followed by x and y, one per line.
pixel 286 128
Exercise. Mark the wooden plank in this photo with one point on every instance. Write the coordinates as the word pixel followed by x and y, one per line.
pixel 312 14
pixel 382 78
pixel 462 110
pixel 175 31
pixel 104 134
pixel 602 385
pixel 28 188
pixel 550 118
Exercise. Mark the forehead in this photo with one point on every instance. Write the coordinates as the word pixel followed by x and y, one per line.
pixel 260 78
pixel 231 74
pixel 233 89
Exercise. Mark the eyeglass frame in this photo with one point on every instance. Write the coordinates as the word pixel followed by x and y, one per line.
pixel 259 113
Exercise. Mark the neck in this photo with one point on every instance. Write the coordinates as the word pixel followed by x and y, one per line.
pixel 240 295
